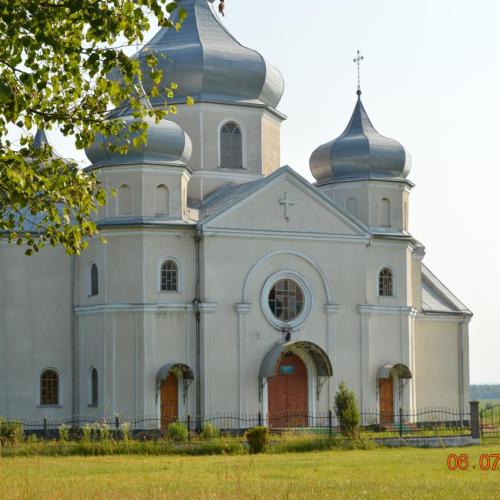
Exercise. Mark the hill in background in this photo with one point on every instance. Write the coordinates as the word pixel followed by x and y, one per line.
pixel 484 392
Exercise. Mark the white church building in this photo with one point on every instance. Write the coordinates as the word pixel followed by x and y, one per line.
pixel 229 283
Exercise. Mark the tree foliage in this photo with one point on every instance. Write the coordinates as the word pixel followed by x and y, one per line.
pixel 55 60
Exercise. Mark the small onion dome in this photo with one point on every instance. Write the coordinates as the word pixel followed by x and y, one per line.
pixel 360 153
pixel 41 140
pixel 208 63
pixel 166 143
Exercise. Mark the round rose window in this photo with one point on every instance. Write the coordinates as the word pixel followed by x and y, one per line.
pixel 286 300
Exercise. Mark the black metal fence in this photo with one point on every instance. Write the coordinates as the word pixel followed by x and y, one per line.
pixel 423 423
pixel 490 421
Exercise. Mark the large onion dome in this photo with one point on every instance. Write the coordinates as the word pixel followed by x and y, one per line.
pixel 167 143
pixel 208 63
pixel 360 153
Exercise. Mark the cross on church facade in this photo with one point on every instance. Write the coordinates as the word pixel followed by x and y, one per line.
pixel 358 60
pixel 287 203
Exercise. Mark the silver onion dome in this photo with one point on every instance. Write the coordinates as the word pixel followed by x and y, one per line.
pixel 360 153
pixel 208 63
pixel 166 143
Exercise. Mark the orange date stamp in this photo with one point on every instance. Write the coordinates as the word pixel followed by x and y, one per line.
pixel 487 461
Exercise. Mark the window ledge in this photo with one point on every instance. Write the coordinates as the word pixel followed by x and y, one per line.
pixel 50 406
pixel 167 292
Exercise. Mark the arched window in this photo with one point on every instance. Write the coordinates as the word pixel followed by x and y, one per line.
pixel 124 200
pixel 94 280
pixel 231 146
pixel 94 387
pixel 49 387
pixel 385 212
pixel 161 200
pixel 386 283
pixel 352 207
pixel 169 279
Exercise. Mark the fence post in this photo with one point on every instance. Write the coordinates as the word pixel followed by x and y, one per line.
pixel 475 426
pixel 117 422
pixel 330 423
pixel 401 422
pixel 259 419
pixel 189 426
pixel 45 427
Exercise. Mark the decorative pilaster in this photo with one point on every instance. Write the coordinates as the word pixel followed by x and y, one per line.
pixel 242 310
pixel 408 355
pixel 331 348
pixel 366 384
pixel 207 309
pixel 463 362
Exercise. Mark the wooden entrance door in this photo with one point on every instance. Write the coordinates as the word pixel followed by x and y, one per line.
pixel 169 394
pixel 386 394
pixel 287 392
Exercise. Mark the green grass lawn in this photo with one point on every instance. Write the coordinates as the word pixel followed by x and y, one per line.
pixel 379 473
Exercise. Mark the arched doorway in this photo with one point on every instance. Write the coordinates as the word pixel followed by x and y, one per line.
pixel 169 400
pixel 172 384
pixel 386 396
pixel 391 380
pixel 287 393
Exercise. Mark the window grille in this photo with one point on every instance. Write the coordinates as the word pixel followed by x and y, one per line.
pixel 169 276
pixel 385 283
pixel 94 387
pixel 231 148
pixel 94 280
pixel 49 388
pixel 286 300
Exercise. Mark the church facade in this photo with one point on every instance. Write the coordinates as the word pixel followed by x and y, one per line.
pixel 229 283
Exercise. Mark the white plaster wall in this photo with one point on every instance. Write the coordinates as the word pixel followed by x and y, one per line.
pixel 369 194
pixel 437 363
pixel 261 144
pixel 143 180
pixel 35 328
pixel 223 284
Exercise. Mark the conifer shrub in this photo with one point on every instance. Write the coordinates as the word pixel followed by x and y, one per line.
pixel 177 431
pixel 258 438
pixel 346 409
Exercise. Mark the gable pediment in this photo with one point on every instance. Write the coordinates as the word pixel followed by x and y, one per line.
pixel 281 203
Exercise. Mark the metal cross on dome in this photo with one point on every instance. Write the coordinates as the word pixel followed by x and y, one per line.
pixel 358 60
pixel 287 203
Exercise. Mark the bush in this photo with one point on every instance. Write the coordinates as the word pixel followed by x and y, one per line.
pixel 209 431
pixel 177 432
pixel 257 439
pixel 125 429
pixel 86 433
pixel 64 433
pixel 11 433
pixel 346 409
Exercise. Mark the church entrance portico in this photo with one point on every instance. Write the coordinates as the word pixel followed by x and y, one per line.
pixel 172 384
pixel 291 376
pixel 391 380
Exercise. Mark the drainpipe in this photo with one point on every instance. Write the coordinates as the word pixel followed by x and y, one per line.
pixel 73 339
pixel 196 304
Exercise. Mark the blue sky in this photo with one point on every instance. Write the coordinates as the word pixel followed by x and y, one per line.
pixel 430 79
